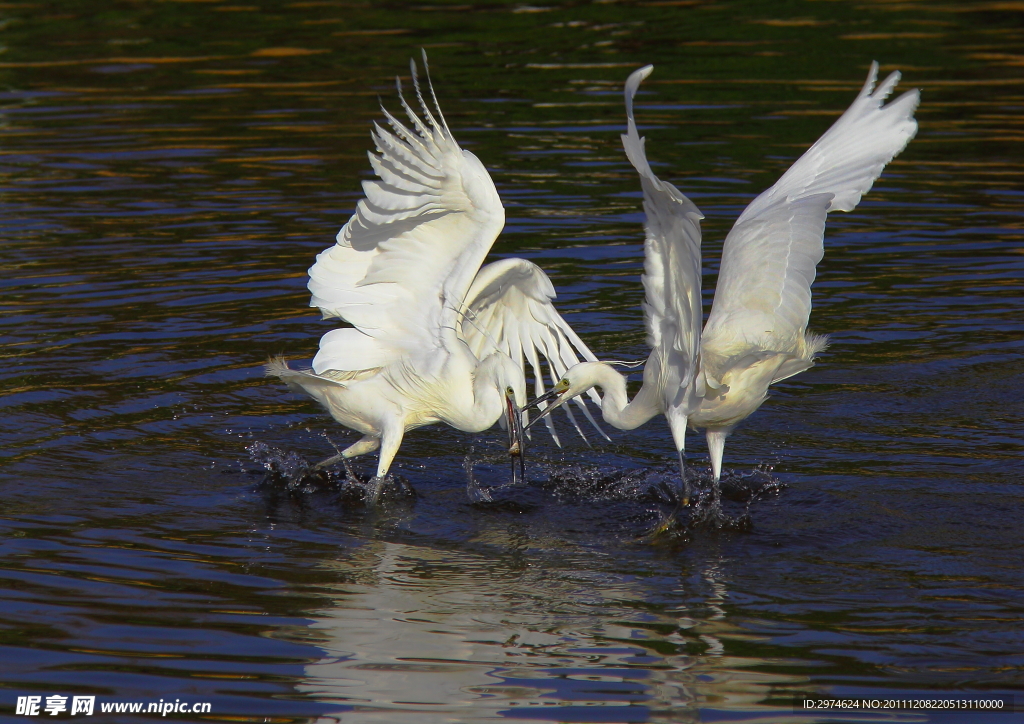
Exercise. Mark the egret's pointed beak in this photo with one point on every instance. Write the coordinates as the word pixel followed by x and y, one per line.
pixel 554 396
pixel 516 441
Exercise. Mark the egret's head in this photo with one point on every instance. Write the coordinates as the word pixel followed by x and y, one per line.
pixel 576 380
pixel 509 378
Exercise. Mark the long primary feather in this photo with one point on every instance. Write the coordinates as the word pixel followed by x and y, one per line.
pixel 404 262
pixel 509 309
pixel 763 297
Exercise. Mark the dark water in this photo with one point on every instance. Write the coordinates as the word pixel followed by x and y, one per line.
pixel 170 169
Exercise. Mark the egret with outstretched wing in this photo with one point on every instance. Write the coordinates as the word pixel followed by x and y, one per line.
pixel 434 338
pixel 756 333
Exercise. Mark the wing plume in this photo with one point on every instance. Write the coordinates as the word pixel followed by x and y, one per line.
pixel 509 309
pixel 763 297
pixel 403 263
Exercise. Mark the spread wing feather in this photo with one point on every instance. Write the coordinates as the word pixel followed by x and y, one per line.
pixel 509 309
pixel 763 297
pixel 403 263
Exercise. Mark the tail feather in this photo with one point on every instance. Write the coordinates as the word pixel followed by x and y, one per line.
pixel 815 344
pixel 305 381
pixel 276 367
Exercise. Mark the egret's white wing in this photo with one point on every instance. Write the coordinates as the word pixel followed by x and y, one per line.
pixel 403 263
pixel 508 309
pixel 763 297
pixel 672 266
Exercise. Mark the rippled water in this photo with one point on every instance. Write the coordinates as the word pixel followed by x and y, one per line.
pixel 169 170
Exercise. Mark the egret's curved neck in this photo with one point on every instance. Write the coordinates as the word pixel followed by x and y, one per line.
pixel 616 409
pixel 475 401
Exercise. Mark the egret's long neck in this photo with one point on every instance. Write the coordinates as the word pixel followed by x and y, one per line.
pixel 616 409
pixel 478 402
pixel 486 392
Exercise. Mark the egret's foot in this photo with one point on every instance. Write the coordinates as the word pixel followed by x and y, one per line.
pixel 672 524
pixel 374 488
pixel 707 509
pixel 665 525
pixel 671 529
pixel 705 514
pixel 379 487
pixel 683 488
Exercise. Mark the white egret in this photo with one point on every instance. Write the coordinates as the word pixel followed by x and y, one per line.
pixel 434 338
pixel 756 333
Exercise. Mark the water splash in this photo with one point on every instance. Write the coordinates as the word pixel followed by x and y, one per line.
pixel 590 482
pixel 706 513
pixel 290 472
pixel 657 484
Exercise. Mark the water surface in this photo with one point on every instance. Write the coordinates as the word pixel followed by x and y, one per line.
pixel 169 171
